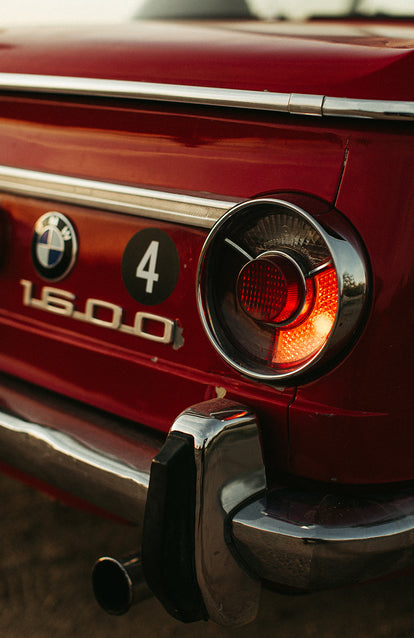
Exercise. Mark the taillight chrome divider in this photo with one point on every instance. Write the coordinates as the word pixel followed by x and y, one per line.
pixel 256 230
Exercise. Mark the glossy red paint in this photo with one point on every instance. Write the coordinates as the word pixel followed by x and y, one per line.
pixel 367 436
pixel 347 60
pixel 124 374
pixel 197 150
pixel 352 425
pixel 187 150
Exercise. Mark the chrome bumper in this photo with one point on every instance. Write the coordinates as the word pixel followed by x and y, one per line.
pixel 94 457
pixel 210 527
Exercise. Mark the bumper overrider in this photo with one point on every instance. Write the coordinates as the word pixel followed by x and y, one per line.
pixel 211 531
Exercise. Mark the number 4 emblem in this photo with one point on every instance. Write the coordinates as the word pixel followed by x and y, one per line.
pixel 150 266
pixel 147 265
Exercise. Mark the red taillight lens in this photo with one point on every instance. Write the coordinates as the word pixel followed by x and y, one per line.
pixel 279 293
pixel 271 288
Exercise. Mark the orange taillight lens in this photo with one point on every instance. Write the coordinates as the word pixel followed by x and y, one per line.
pixel 295 345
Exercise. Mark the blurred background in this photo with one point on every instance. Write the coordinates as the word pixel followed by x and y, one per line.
pixel 30 12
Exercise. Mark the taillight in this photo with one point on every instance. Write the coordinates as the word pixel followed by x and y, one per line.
pixel 281 293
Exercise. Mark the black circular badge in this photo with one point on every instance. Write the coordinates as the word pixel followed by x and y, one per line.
pixel 54 246
pixel 150 266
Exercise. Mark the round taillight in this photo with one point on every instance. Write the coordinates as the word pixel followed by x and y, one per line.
pixel 279 292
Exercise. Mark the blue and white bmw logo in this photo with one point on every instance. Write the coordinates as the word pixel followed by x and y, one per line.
pixel 54 246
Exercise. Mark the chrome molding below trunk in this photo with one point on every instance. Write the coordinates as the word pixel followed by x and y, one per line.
pixel 294 103
pixel 170 207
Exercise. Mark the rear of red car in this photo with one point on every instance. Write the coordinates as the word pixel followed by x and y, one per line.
pixel 207 232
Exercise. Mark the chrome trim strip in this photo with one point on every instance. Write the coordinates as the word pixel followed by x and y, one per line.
pixel 93 87
pixel 294 103
pixel 372 109
pixel 301 104
pixel 76 449
pixel 141 202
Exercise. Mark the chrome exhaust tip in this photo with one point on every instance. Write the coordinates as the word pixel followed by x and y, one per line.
pixel 119 583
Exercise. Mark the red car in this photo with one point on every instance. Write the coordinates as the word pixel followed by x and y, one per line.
pixel 206 319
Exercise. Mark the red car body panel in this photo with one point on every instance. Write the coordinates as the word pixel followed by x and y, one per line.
pixel 245 55
pixel 179 148
pixel 353 424
pixel 368 434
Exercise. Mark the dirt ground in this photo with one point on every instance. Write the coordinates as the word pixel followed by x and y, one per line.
pixel 47 551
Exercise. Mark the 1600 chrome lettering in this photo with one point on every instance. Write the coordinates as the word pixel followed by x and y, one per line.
pixel 62 302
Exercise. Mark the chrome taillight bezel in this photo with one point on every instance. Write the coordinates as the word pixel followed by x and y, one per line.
pixel 348 257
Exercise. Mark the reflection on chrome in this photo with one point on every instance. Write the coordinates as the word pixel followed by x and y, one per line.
pixel 293 103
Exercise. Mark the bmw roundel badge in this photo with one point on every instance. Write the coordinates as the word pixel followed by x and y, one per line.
pixel 54 246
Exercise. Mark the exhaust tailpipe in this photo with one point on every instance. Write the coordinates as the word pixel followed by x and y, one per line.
pixel 119 583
